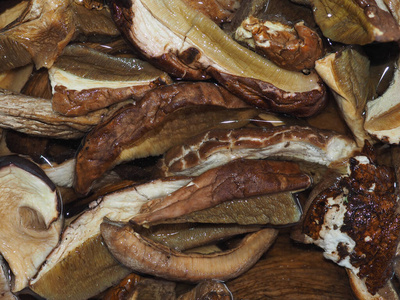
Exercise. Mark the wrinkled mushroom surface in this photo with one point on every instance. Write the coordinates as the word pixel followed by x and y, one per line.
pixel 356 223
pixel 84 80
pixel 239 179
pixel 217 147
pixel 137 130
pixel 145 256
pixel 294 47
pixel 185 43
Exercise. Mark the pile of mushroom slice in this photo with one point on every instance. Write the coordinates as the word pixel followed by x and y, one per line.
pixel 221 171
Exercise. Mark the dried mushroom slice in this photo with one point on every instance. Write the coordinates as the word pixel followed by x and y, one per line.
pixel 216 147
pixel 357 224
pixel 143 255
pixel 35 116
pixel 84 80
pixel 165 117
pixel 347 73
pixel 185 43
pixel 80 267
pixel 45 28
pixel 382 113
pixel 292 47
pixel 355 21
pixel 240 179
pixel 5 282
pixel 31 217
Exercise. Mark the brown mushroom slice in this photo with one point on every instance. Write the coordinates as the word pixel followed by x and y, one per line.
pixel 84 80
pixel 218 147
pixel 357 224
pixel 81 266
pixel 192 46
pixel 143 255
pixel 347 73
pixel 14 80
pixel 235 180
pixel 165 117
pixel 382 113
pixel 278 209
pixel 35 116
pixel 208 289
pixel 355 22
pixel 292 47
pixel 149 288
pixel 11 12
pixel 31 217
pixel 45 28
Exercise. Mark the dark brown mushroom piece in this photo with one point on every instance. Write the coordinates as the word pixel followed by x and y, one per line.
pixel 191 46
pixel 85 80
pixel 216 147
pixel 357 224
pixel 239 179
pixel 5 282
pixel 292 47
pixel 45 28
pixel 165 117
pixel 145 256
pixel 208 289
pixel 31 218
pixel 355 22
pixel 80 266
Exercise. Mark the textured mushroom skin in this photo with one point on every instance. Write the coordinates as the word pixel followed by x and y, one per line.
pixel 183 58
pixel 215 147
pixel 370 220
pixel 239 179
pixel 105 143
pixel 267 96
pixel 145 256
pixel 291 47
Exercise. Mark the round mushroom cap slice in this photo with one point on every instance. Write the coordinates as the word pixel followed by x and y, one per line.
pixel 31 219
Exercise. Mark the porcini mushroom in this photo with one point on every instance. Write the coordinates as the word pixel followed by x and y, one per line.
pixel 216 147
pixel 80 267
pixel 85 80
pixel 165 117
pixel 145 256
pixel 187 44
pixel 31 217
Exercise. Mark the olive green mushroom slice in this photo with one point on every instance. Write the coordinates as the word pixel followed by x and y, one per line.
pixel 165 117
pixel 355 22
pixel 80 267
pixel 84 80
pixel 239 179
pixel 382 113
pixel 145 256
pixel 190 45
pixel 36 116
pixel 276 209
pixel 184 236
pixel 45 28
pixel 216 147
pixel 346 72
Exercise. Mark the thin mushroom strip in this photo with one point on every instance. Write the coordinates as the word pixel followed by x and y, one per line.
pixel 216 147
pixel 143 255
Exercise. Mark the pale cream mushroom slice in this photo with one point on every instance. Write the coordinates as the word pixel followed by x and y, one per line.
pixel 346 72
pixel 80 267
pixel 382 113
pixel 31 218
